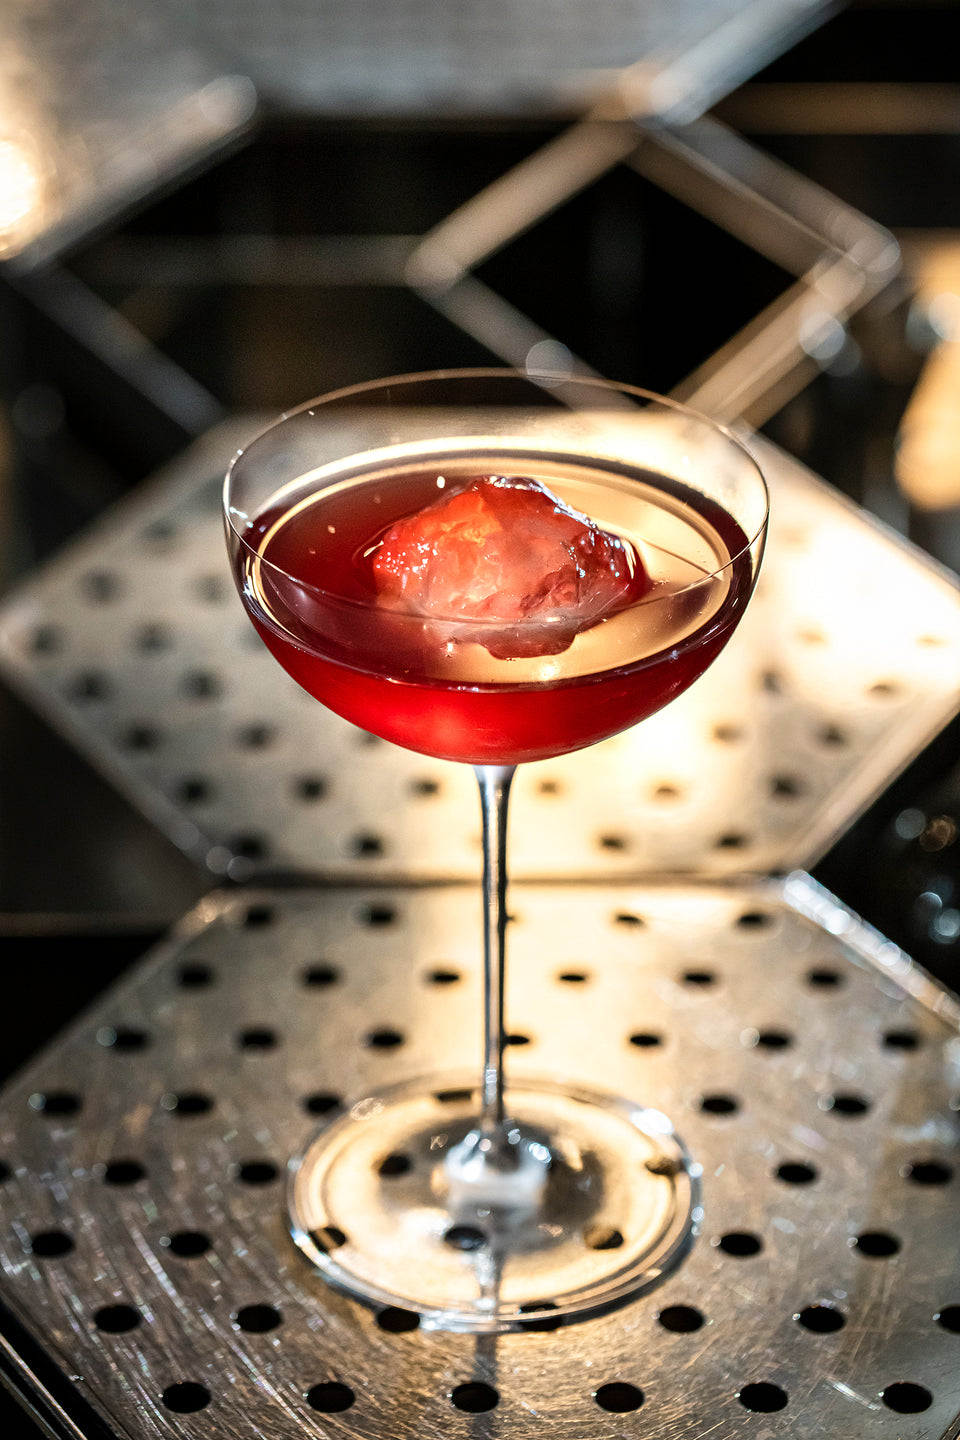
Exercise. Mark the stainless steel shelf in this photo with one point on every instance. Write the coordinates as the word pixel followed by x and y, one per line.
pixel 809 1067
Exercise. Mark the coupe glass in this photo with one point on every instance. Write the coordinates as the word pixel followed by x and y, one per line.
pixel 480 1204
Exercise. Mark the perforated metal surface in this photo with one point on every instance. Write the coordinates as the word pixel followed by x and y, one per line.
pixel 136 646
pixel 811 1071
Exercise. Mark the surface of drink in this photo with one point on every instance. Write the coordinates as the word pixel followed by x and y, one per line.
pixel 491 691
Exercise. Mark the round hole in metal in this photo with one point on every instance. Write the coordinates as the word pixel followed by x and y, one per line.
pixel 90 685
pixel 474 1397
pixel 377 915
pixel 786 787
pixel 249 847
pixel 517 1039
pixel 195 975
pixel 5 1171
pixel 573 977
pixel 46 640
pixel 397 1321
pixel 257 736
pixel 210 588
pixel 383 1039
pixel 330 1397
pixel 619 1397
pixel 443 977
pixel 200 685
pixel 310 788
pixel 100 586
pixel 701 979
pixel 258 1319
pixel 877 1244
pixel 50 1244
pixel 320 975
pixel 739 1243
pixel 796 1172
pixel 949 1318
pixel 186 1397
pixel 425 787
pixel 188 1244
pixel 366 846
pixel 194 790
pixel 906 1398
pixel 189 1104
pixel 719 1104
pixel 158 532
pixel 845 1104
pixel 140 737
pixel 682 1319
pixel 453 1096
pixel 256 917
pixel 55 1102
pixel 549 787
pixel 773 1039
pixel 256 1172
pixel 901 1039
pixel 628 919
pixel 392 1166
pixel 116 1319
pixel 602 1237
pixel 465 1237
pixel 124 1039
pixel 646 1040
pixel 258 1037
pixel 762 1397
pixel 927 1172
pixel 822 1319
pixel 123 1172
pixel 322 1102
pixel 613 842
pixel 153 637
pixel 754 920
pixel 823 978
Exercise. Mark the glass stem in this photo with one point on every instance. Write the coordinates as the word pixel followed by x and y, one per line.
pixel 494 782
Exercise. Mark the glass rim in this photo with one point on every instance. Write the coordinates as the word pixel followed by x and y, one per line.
pixel 548 380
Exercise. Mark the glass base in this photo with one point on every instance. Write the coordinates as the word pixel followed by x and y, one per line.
pixel 581 1202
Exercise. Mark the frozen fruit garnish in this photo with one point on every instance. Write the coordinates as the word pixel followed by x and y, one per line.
pixel 506 549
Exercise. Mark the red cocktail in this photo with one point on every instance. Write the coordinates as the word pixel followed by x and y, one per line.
pixel 493 568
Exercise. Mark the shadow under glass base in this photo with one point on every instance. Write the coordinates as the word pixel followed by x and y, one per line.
pixel 593 1200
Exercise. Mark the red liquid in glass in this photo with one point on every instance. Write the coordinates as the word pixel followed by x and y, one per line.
pixel 305 576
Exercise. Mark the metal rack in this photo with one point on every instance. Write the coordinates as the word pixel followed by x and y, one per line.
pixel 808 1064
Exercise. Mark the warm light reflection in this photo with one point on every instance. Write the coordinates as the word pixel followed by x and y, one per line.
pixel 928 454
pixel 23 193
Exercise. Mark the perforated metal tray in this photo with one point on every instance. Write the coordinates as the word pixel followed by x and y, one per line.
pixel 810 1068
pixel 134 643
